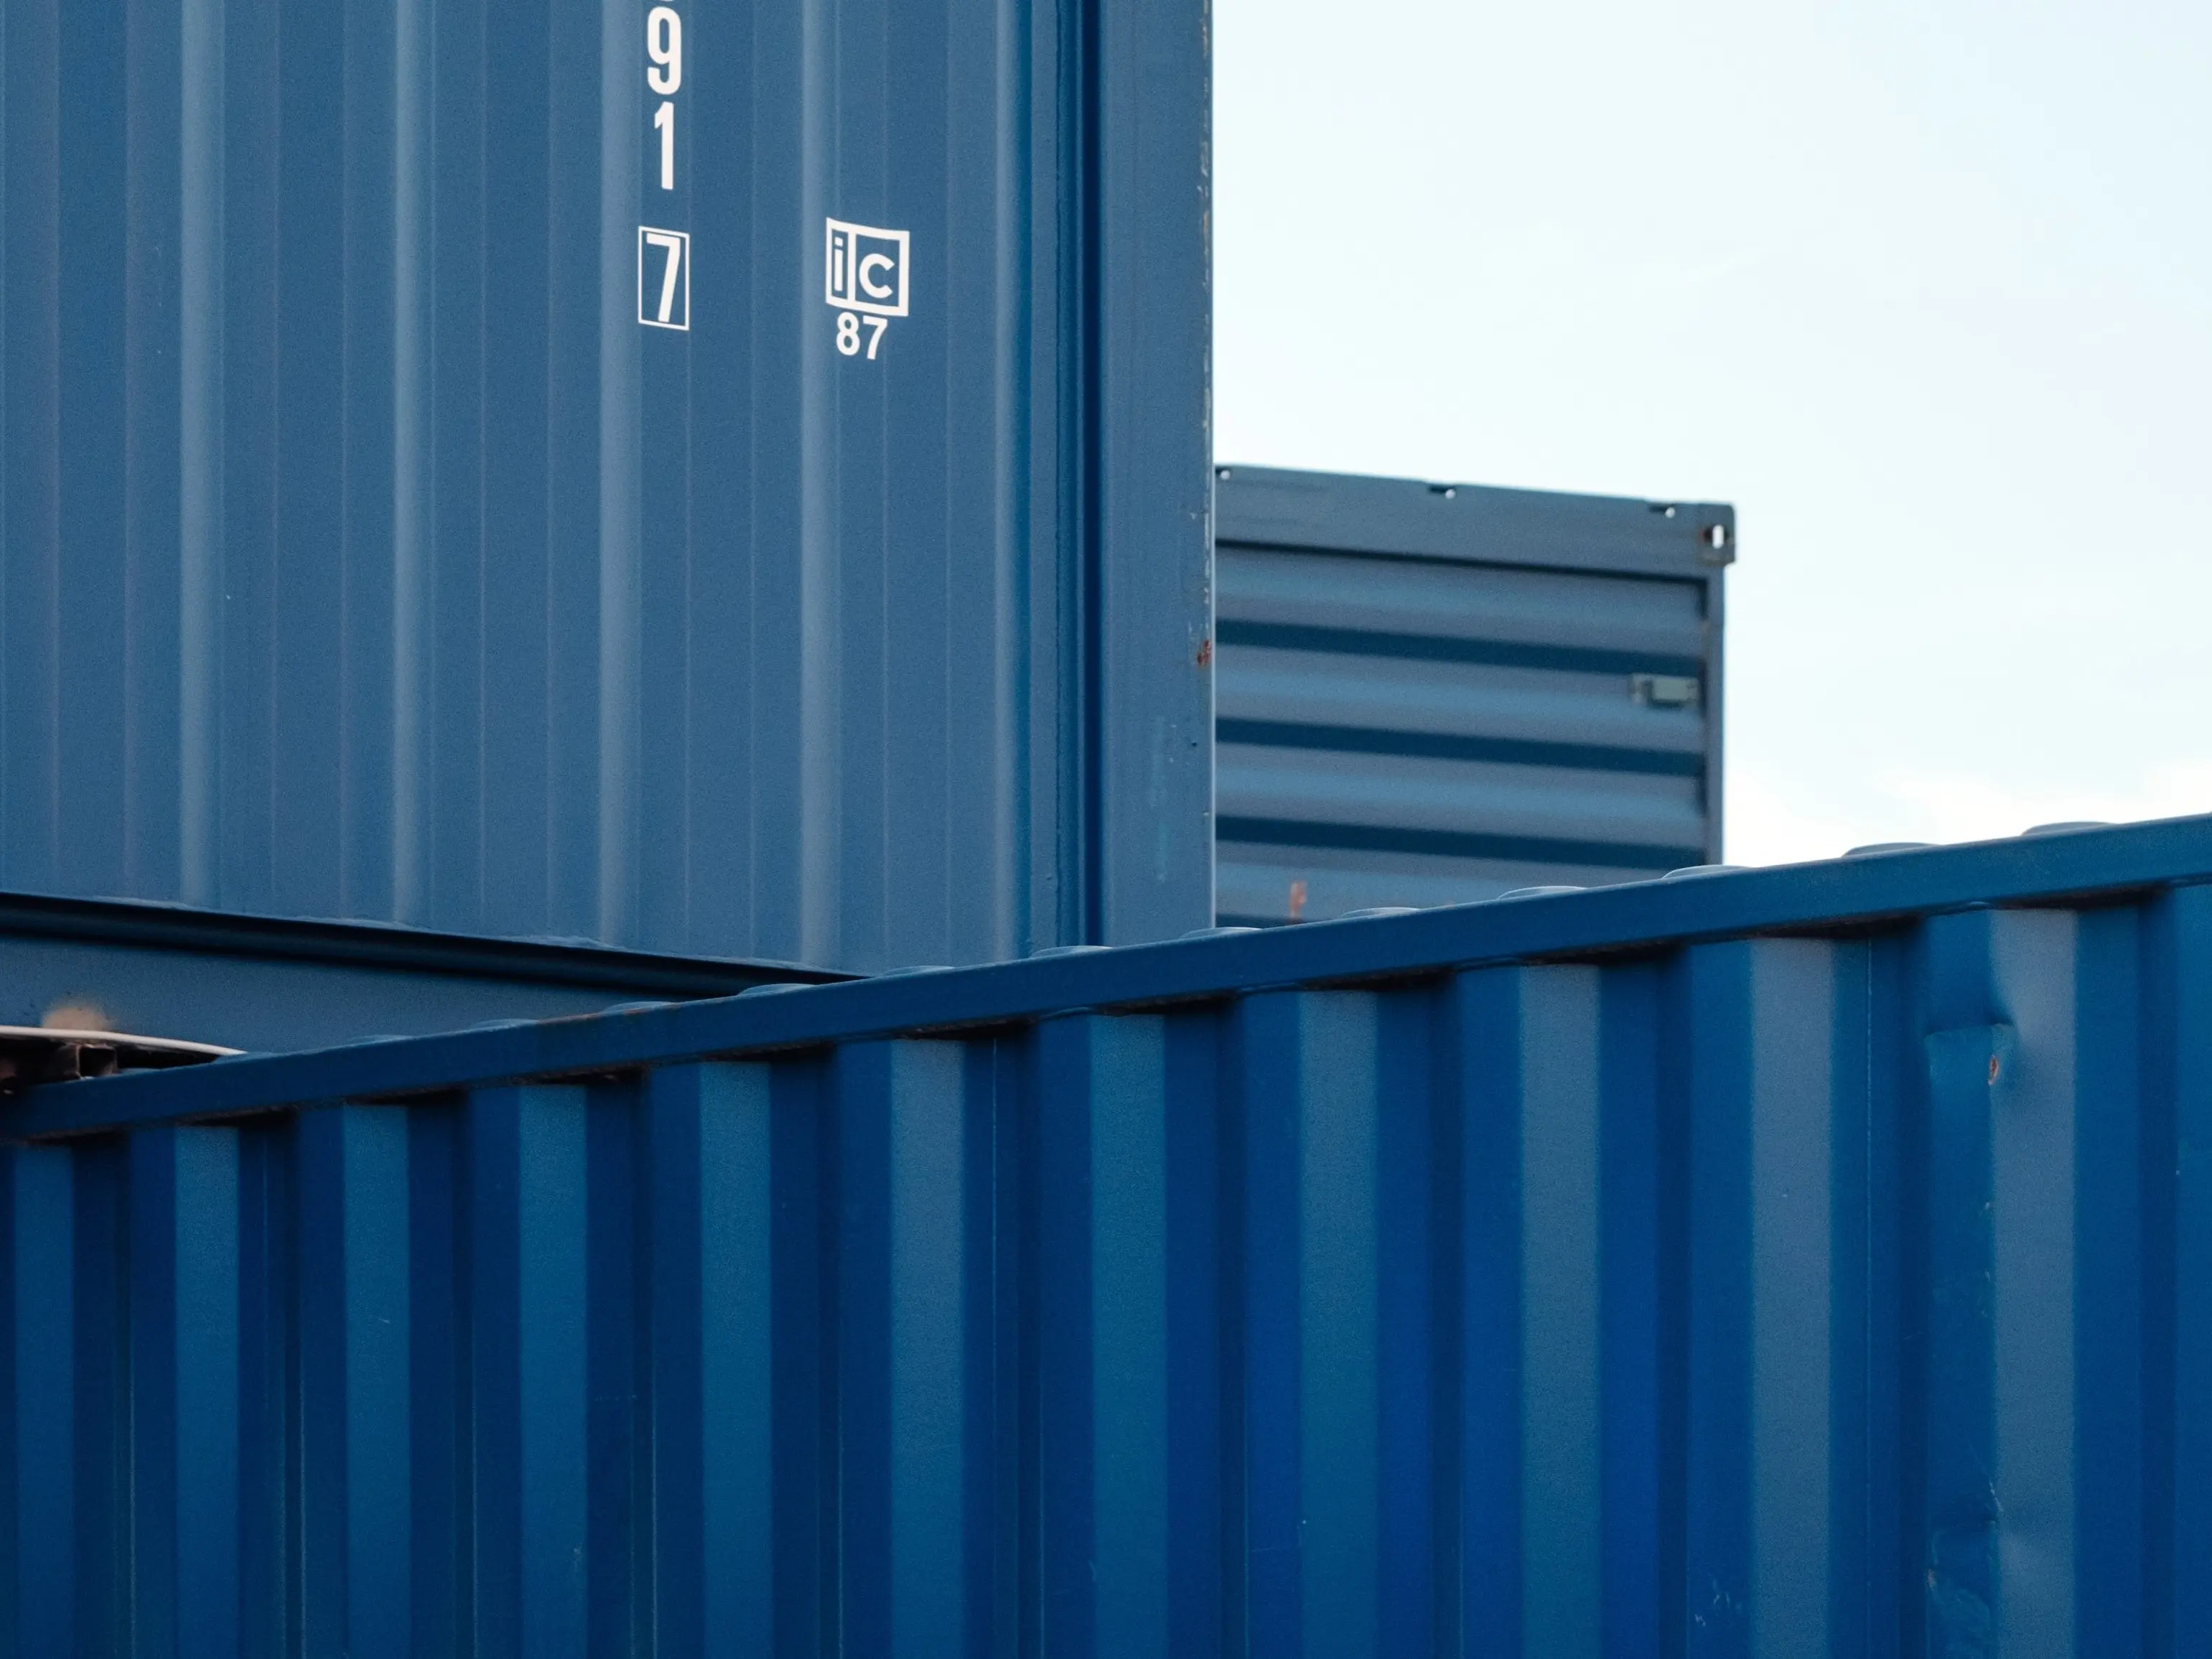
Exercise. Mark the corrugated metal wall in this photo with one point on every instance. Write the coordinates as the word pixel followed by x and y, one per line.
pixel 1432 693
pixel 371 548
pixel 1805 1261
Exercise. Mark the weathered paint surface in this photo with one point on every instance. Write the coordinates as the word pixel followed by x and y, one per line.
pixel 1813 1260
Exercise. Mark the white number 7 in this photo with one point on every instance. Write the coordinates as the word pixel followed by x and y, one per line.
pixel 876 327
pixel 674 309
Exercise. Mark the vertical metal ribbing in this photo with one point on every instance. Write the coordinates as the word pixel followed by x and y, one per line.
pixel 526 1152
pixel 709 1220
pixel 2116 1261
pixel 1757 1044
pixel 1792 1013
pixel 1484 1081
pixel 1102 1302
pixel 620 390
pixel 1556 1036
pixel 1964 1050
pixel 184 1254
pixel 1711 1047
pixel 1526 1084
pixel 2187 1164
pixel 1338 1292
pixel 413 469
pixel 40 1194
pixel 904 1309
pixel 1312 1273
pixel 2032 1101
pixel 355 1319
pixel 200 391
pixel 1999 1435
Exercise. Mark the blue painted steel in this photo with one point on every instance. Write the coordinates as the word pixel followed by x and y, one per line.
pixel 1804 1260
pixel 372 550
pixel 269 986
pixel 1431 693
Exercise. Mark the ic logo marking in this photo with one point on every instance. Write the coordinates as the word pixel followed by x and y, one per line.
pixel 864 280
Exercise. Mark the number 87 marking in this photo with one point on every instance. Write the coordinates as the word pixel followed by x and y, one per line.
pixel 849 333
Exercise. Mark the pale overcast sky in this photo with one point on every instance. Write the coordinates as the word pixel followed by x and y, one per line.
pixel 1925 289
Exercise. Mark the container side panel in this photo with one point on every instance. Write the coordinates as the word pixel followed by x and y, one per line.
pixel 1715 1054
pixel 366 412
pixel 1557 1108
pixel 1793 1312
pixel 439 1382
pixel 91 556
pixel 307 310
pixel 904 1247
pixel 1264 1075
pixel 1339 1270
pixel 617 1604
pixel 153 452
pixel 30 737
pixel 246 267
pixel 1641 1247
pixel 2035 963
pixel 186 1387
pixel 528 1434
pixel 1965 1048
pixel 1200 1445
pixel 1485 1061
pixel 806 1218
pixel 2184 1175
pixel 1414 1337
pixel 1104 1311
pixel 522 70
pixel 710 1216
pixel 357 1592
pixel 1313 1265
pixel 2110 1363
pixel 2001 1417
pixel 42 1292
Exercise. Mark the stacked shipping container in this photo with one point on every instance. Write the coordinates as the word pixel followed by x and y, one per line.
pixel 1430 694
pixel 726 480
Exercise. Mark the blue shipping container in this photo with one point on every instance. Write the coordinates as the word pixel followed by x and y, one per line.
pixel 395 524
pixel 1813 1260
pixel 1431 693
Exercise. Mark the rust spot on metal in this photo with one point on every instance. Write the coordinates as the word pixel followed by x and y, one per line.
pixel 1993 1068
pixel 1205 652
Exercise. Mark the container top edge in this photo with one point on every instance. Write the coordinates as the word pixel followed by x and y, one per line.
pixel 1838 896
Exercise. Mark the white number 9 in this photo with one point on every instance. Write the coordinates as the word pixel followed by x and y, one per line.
pixel 664 44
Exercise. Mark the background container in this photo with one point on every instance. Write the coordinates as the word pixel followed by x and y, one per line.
pixel 396 524
pixel 268 985
pixel 1430 694
pixel 1795 1261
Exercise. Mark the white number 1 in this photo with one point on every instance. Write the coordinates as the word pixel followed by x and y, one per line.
pixel 664 119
